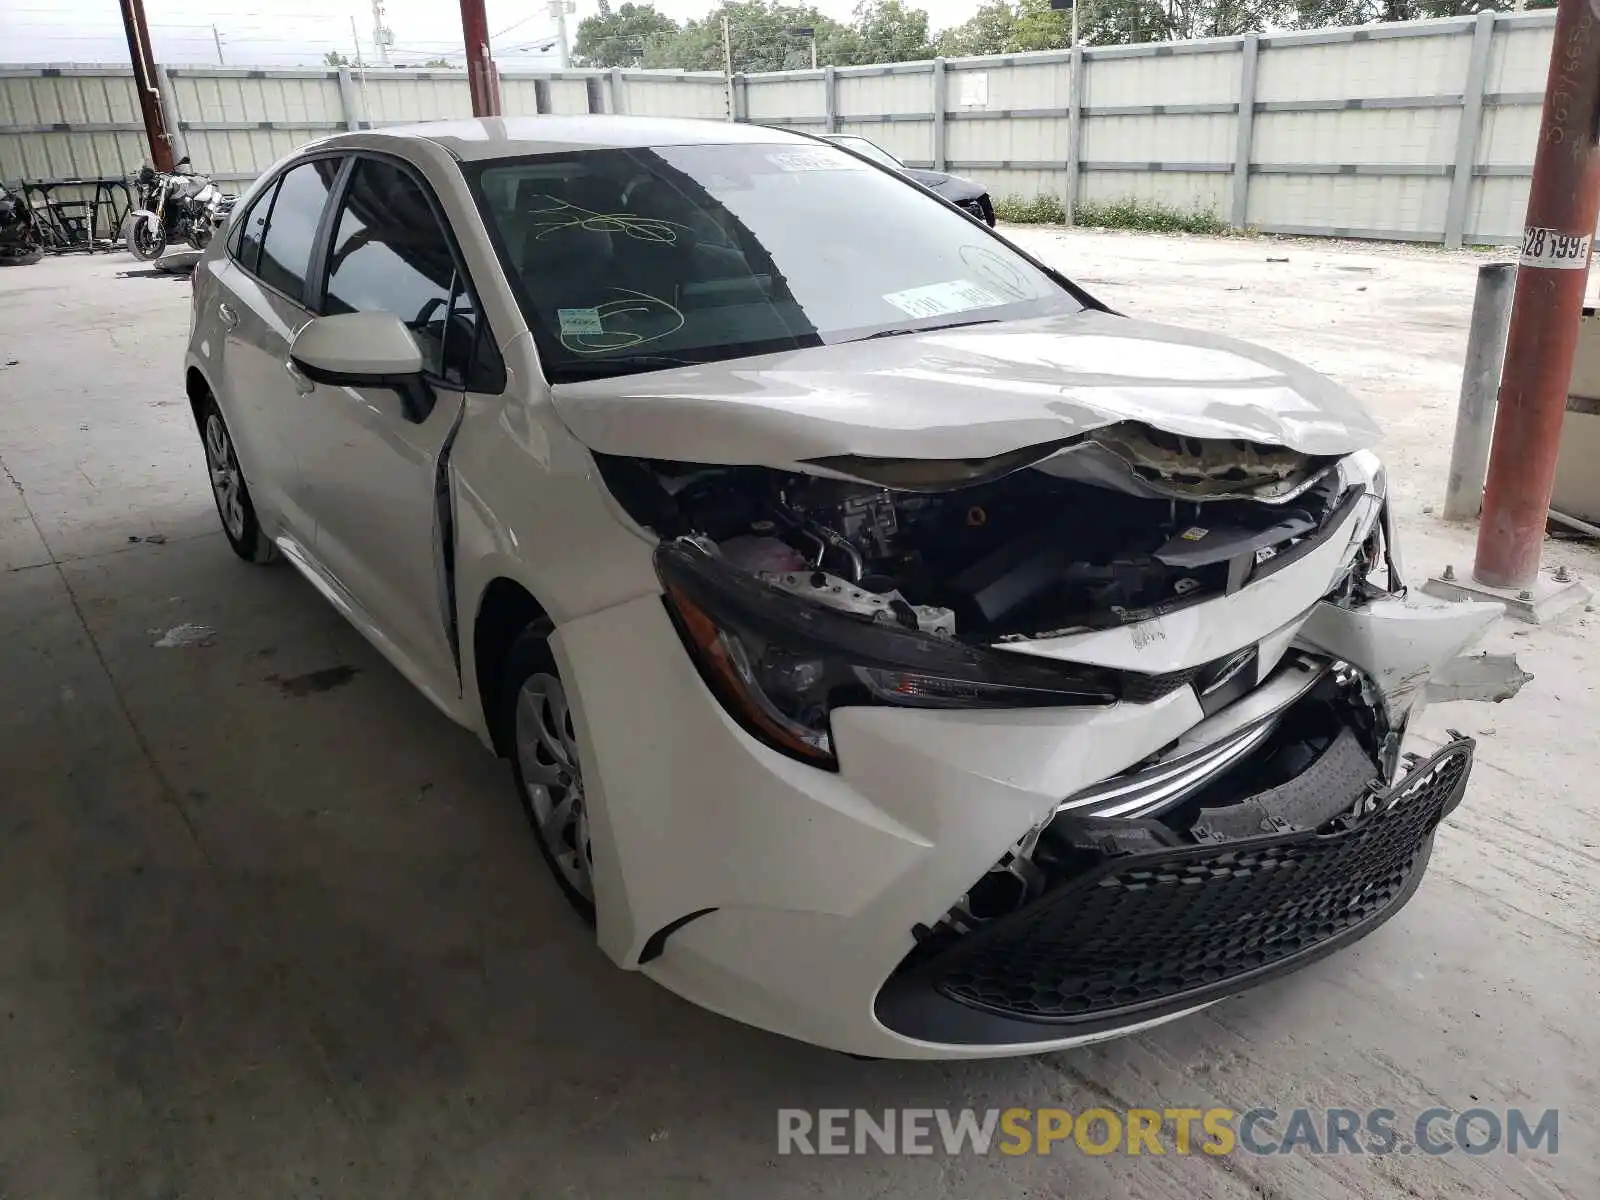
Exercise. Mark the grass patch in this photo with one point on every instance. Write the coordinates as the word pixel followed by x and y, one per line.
pixel 1143 215
pixel 1148 217
pixel 1041 210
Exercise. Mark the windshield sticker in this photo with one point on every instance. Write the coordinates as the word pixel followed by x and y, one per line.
pixel 941 299
pixel 814 160
pixel 584 322
pixel 635 319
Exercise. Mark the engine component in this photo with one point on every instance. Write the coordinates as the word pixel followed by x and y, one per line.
pixel 762 555
pixel 1000 583
pixel 1031 554
pixel 821 588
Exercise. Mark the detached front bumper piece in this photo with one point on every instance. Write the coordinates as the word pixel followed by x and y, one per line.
pixel 1154 932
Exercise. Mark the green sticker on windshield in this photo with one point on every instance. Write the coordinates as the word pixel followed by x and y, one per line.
pixel 580 322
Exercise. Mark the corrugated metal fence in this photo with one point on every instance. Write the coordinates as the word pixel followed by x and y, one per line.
pixel 82 122
pixel 1418 131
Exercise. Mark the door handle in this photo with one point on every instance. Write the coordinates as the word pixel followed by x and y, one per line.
pixel 227 315
pixel 301 384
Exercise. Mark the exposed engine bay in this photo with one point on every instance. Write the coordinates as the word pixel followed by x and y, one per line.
pixel 1108 530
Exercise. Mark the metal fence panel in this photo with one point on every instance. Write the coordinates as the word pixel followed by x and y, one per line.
pixel 1421 130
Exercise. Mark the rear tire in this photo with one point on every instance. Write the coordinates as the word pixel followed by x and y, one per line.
pixel 535 717
pixel 228 489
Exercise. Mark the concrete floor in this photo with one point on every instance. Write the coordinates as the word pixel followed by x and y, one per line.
pixel 270 926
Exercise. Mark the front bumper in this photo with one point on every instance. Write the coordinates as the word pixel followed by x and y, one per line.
pixel 787 897
pixel 1153 934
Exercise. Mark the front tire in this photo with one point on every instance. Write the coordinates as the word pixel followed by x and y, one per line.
pixel 536 716
pixel 228 489
pixel 145 238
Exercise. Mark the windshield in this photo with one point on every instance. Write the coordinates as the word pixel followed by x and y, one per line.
pixel 639 259
pixel 872 150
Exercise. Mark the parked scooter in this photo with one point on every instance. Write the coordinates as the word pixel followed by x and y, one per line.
pixel 21 243
pixel 182 205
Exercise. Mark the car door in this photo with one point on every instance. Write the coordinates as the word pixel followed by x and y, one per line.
pixel 376 481
pixel 261 305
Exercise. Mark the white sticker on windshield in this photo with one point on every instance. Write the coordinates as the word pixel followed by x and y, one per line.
pixel 813 160
pixel 579 321
pixel 938 299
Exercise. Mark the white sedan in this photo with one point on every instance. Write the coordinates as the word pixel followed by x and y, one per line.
pixel 893 647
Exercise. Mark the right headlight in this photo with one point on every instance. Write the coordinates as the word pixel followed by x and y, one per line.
pixel 780 665
pixel 1365 470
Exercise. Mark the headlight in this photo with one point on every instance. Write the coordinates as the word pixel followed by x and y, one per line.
pixel 1371 528
pixel 780 665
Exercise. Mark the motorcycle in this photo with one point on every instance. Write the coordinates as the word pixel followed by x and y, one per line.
pixel 180 205
pixel 21 243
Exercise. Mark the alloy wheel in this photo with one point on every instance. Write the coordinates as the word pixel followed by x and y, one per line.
pixel 226 481
pixel 547 754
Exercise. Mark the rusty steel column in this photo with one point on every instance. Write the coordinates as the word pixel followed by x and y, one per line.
pixel 1563 204
pixel 145 85
pixel 482 78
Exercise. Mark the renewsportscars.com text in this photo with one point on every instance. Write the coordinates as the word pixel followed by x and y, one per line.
pixel 1150 1131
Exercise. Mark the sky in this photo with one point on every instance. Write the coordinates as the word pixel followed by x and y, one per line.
pixel 258 33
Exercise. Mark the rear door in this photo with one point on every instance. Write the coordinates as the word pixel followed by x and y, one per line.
pixel 262 305
pixel 377 482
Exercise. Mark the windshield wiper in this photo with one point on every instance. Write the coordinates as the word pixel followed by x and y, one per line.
pixel 883 333
pixel 622 364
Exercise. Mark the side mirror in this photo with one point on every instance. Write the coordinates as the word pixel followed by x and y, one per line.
pixel 371 349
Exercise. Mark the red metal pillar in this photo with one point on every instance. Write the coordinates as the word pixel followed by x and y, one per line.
pixel 144 83
pixel 1563 204
pixel 482 78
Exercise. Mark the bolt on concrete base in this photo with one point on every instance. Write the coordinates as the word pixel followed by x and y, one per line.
pixel 1550 596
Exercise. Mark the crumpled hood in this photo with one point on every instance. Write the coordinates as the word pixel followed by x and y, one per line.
pixel 966 393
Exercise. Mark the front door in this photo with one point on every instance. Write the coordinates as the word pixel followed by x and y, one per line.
pixel 377 482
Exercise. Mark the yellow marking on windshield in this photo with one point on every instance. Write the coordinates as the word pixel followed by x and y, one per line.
pixel 564 216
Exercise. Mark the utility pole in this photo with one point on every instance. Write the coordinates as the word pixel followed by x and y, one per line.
pixel 217 38
pixel 361 72
pixel 483 82
pixel 559 10
pixel 145 85
pixel 380 32
pixel 1563 204
pixel 727 64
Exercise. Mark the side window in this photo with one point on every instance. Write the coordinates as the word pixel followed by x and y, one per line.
pixel 390 254
pixel 292 226
pixel 247 237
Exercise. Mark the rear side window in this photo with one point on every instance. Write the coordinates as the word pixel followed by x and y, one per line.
pixel 390 254
pixel 285 256
pixel 247 242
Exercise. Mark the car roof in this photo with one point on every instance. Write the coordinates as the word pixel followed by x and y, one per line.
pixel 511 137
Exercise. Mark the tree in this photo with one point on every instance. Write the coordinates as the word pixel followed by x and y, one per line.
pixel 1315 14
pixel 623 38
pixel 761 34
pixel 1000 27
pixel 440 62
pixel 886 31
pixel 334 59
pixel 987 31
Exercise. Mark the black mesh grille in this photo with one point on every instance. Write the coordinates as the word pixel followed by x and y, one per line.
pixel 1148 928
pixel 1142 689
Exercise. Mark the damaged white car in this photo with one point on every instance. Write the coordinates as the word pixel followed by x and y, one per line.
pixel 894 648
